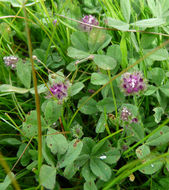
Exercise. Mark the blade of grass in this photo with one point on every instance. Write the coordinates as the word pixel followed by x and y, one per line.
pixel 7 170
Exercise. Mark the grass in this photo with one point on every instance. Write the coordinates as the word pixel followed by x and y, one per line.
pixel 61 146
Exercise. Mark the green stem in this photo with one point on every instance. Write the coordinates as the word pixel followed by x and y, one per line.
pixel 7 170
pixel 114 98
pixel 36 95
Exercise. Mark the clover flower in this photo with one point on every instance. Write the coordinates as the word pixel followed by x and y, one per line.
pixel 125 113
pixel 77 130
pixel 89 19
pixel 134 120
pixel 133 83
pixel 10 61
pixel 126 116
pixel 59 90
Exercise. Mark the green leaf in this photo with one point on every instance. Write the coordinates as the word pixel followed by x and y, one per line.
pixel 99 79
pixel 159 138
pixel 165 89
pixel 134 41
pixel 88 144
pixel 153 167
pixel 167 161
pixel 118 24
pixel 105 62
pixel 52 111
pixel 88 108
pixel 163 183
pixel 72 153
pixel 6 182
pixel 100 127
pixel 24 72
pixel 136 131
pixel 70 171
pixel 153 7
pixel 162 99
pixel 32 165
pixel 111 157
pixel 148 41
pixel 40 54
pixel 76 88
pixel 123 48
pixel 10 88
pixel 106 42
pixel 96 39
pixel 106 105
pixel 19 3
pixel 41 89
pixel 57 77
pixel 5 31
pixel 56 142
pixel 72 66
pixel 47 155
pixel 25 159
pixel 158 113
pixel 100 169
pixel 101 148
pixel 47 176
pixel 79 41
pixel 90 185
pixel 142 151
pixel 30 126
pixel 149 23
pixel 157 75
pixel 126 10
pixel 10 141
pixel 115 52
pixel 87 173
pixel 150 90
pixel 81 160
pixel 159 55
pixel 77 54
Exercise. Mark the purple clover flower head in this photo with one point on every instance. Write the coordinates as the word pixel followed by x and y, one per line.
pixel 133 83
pixel 134 120
pixel 10 61
pixel 125 114
pixel 89 19
pixel 59 90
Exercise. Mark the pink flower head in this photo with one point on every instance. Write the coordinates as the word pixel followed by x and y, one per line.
pixel 59 90
pixel 89 19
pixel 125 114
pixel 10 61
pixel 133 83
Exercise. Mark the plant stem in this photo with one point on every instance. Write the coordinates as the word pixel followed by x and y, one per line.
pixel 114 98
pixel 7 170
pixel 36 95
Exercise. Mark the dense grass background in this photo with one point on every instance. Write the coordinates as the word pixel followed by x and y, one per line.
pixel 131 33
